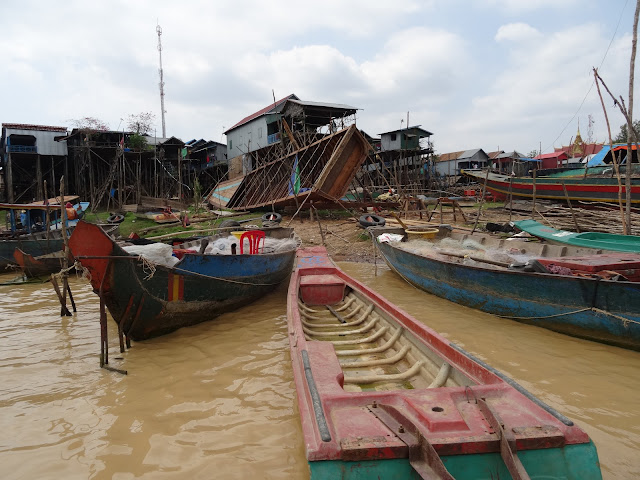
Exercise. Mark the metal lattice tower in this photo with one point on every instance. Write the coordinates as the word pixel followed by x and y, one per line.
pixel 161 84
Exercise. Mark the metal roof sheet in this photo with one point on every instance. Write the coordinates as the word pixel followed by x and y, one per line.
pixel 267 109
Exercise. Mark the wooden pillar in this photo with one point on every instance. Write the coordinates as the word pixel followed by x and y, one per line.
pixel 9 179
pixel 66 173
pixel 39 193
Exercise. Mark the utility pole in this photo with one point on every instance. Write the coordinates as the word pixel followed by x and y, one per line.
pixel 164 130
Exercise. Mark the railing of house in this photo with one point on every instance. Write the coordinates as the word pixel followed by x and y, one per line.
pixel 273 138
pixel 22 148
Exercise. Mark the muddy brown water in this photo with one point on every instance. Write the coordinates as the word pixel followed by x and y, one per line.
pixel 217 400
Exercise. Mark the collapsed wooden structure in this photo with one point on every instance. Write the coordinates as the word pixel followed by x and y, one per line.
pixel 320 172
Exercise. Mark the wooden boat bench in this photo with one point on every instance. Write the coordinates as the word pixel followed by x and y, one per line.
pixel 322 289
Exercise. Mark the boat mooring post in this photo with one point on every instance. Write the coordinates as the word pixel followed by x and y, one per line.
pixel 104 339
pixel 65 259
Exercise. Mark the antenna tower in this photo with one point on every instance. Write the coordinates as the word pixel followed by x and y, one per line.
pixel 161 84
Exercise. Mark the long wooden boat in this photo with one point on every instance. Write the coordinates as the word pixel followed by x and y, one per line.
pixel 147 300
pixel 596 240
pixel 587 296
pixel 27 239
pixel 383 396
pixel 594 189
pixel 41 265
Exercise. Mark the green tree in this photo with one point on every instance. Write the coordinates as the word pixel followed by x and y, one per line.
pixel 623 134
pixel 137 142
pixel 532 154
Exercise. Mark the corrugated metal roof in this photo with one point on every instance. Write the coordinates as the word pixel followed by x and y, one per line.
pixel 447 157
pixel 551 155
pixel 513 154
pixel 415 127
pixel 339 106
pixel 469 153
pixel 267 109
pixel 26 126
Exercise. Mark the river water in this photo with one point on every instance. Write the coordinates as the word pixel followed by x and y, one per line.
pixel 217 400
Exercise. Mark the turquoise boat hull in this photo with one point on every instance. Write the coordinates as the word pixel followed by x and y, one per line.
pixel 595 240
pixel 573 462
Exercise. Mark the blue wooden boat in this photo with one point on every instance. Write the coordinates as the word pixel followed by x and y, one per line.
pixel 593 303
pixel 27 225
pixel 596 240
pixel 383 396
pixel 147 300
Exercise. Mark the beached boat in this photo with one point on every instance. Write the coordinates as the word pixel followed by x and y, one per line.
pixel 596 240
pixel 577 291
pixel 27 229
pixel 147 299
pixel 593 189
pixel 383 396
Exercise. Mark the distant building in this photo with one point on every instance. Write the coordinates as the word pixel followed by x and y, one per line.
pixel 403 139
pixel 579 151
pixel 286 125
pixel 552 160
pixel 450 164
pixel 256 130
pixel 31 155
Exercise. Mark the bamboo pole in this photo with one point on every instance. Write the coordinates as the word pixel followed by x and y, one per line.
pixel 630 131
pixel 534 193
pixel 510 198
pixel 573 215
pixel 616 164
pixel 484 191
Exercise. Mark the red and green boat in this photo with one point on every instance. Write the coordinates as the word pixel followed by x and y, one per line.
pixel 592 189
pixel 147 300
pixel 383 396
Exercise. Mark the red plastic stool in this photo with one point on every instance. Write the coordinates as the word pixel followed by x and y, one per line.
pixel 254 237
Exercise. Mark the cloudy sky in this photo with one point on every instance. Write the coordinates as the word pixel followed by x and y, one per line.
pixel 508 74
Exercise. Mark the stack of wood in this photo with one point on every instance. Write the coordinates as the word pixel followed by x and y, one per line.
pixel 590 217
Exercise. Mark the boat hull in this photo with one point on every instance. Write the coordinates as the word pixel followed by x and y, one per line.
pixel 570 462
pixel 603 241
pixel 604 311
pixel 578 189
pixel 32 246
pixel 150 300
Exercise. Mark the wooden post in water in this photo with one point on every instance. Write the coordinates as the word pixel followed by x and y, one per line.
pixel 46 212
pixel 65 248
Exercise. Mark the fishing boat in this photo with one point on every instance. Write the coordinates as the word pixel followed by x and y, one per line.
pixel 577 291
pixel 147 299
pixel 42 265
pixel 27 228
pixel 383 396
pixel 590 188
pixel 596 240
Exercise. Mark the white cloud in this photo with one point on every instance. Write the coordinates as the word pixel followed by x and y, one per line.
pixel 517 32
